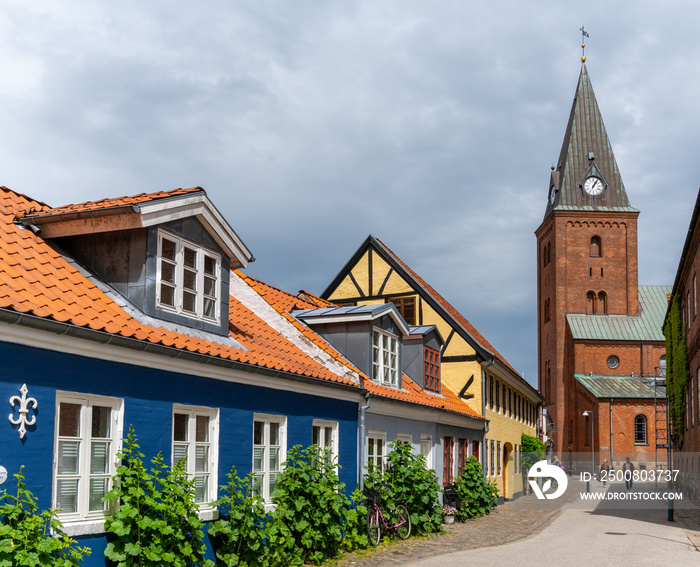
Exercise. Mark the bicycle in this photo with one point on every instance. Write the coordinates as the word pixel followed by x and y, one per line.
pixel 376 520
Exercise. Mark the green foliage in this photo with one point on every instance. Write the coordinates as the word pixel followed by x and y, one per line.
pixel 157 520
pixel 677 374
pixel 312 508
pixel 532 450
pixel 245 534
pixel 25 533
pixel 411 481
pixel 478 496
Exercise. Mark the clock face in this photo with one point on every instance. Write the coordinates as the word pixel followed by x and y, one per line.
pixel 552 195
pixel 593 186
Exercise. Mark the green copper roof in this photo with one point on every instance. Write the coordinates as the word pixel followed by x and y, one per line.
pixel 620 386
pixel 653 300
pixel 586 151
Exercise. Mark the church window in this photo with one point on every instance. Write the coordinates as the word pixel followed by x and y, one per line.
pixel 595 246
pixel 613 361
pixel 640 430
pixel 549 252
pixel 602 303
pixel 590 303
pixel 407 307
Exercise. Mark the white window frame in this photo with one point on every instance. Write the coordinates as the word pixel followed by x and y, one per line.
pixel 84 475
pixel 191 444
pixel 332 444
pixel 385 345
pixel 263 476
pixel 376 458
pixel 426 449
pixel 179 275
pixel 406 438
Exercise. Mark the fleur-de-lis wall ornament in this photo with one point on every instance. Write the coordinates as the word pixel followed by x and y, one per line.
pixel 24 403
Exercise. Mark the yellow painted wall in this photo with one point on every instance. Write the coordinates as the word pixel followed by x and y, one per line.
pixel 454 374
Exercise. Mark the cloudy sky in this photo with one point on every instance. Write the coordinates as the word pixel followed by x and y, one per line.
pixel 431 125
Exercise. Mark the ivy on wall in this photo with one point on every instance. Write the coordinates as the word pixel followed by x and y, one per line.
pixel 677 374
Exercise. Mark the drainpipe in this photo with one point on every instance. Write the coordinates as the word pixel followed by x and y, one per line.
pixel 484 392
pixel 363 409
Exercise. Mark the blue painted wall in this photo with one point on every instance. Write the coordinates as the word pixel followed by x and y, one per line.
pixel 148 399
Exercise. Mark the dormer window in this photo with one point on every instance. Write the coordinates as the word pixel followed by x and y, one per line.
pixel 385 358
pixel 432 370
pixel 188 281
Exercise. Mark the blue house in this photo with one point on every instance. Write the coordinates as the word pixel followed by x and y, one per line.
pixel 133 311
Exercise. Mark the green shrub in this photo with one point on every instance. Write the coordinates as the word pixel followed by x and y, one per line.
pixel 157 521
pixel 25 533
pixel 532 450
pixel 245 534
pixel 413 482
pixel 311 505
pixel 478 496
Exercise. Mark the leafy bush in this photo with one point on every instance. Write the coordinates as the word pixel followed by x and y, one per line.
pixel 532 450
pixel 412 481
pixel 478 496
pixel 245 534
pixel 25 533
pixel 311 504
pixel 157 522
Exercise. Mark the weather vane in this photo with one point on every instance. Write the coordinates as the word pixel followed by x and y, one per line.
pixel 584 35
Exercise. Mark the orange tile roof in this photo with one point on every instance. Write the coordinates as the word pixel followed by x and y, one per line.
pixel 456 315
pixel 314 299
pixel 411 391
pixel 44 210
pixel 37 280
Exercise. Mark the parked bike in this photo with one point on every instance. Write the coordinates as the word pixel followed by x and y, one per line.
pixel 376 521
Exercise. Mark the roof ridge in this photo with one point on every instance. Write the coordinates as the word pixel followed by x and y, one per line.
pixel 452 311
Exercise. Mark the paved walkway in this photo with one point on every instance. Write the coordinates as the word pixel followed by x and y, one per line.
pixel 573 536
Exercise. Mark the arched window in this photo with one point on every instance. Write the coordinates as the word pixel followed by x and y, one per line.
pixel 602 303
pixel 544 255
pixel 640 430
pixel 549 252
pixel 662 365
pixel 590 303
pixel 596 249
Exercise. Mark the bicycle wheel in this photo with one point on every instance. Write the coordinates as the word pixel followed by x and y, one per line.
pixel 374 529
pixel 404 519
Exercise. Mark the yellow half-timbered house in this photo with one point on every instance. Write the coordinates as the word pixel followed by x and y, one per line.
pixel 469 365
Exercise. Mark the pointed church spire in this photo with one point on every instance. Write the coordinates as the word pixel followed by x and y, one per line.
pixel 586 152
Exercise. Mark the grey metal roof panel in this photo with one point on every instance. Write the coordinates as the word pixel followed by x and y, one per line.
pixel 647 326
pixel 345 310
pixel 602 386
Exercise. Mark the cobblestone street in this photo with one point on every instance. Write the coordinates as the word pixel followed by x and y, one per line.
pixel 506 523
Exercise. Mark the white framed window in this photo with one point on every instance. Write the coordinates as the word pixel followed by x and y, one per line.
pixel 376 449
pixel 188 278
pixel 486 457
pixel 405 438
pixel 385 358
pixel 426 449
pixel 269 452
pixel 325 435
pixel 87 439
pixel 195 439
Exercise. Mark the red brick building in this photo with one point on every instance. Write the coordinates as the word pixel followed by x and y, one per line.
pixel 600 343
pixel 686 286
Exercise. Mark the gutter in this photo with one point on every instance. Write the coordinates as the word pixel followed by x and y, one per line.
pixel 361 443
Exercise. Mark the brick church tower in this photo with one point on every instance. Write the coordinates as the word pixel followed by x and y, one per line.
pixel 587 290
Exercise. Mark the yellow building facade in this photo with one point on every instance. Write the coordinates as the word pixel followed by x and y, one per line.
pixel 468 362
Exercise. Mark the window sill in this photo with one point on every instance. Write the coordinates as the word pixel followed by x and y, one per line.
pixel 641 444
pixel 95 527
